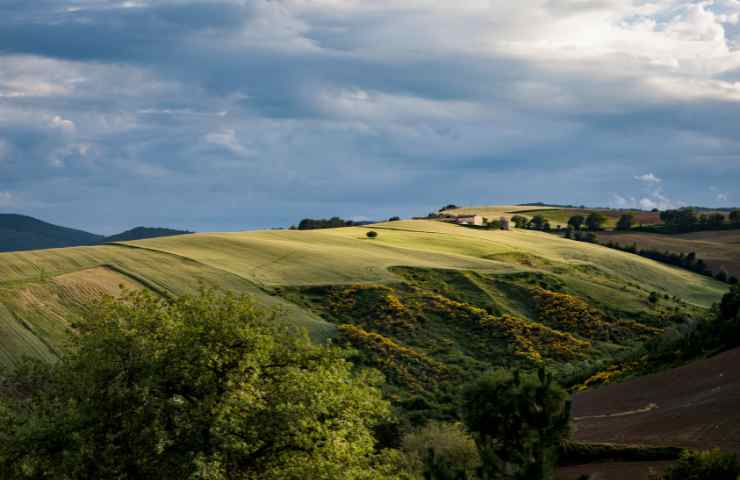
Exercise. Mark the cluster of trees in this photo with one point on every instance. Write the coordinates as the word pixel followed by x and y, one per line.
pixel 537 222
pixel 690 220
pixel 592 222
pixel 214 387
pixel 316 223
pixel 500 224
pixel 688 261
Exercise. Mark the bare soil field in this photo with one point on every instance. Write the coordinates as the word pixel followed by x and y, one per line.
pixel 719 249
pixel 612 470
pixel 694 406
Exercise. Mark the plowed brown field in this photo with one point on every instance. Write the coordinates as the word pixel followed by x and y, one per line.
pixel 696 406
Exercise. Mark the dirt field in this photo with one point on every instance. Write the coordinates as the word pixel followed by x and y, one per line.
pixel 612 470
pixel 718 249
pixel 696 406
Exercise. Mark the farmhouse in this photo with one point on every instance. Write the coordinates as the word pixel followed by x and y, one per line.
pixel 464 220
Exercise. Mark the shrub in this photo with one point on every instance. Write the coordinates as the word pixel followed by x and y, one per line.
pixel 653 297
pixel 451 445
pixel 704 465
pixel 721 275
pixel 372 234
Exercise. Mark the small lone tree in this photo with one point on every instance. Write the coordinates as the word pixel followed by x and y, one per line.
pixel 372 234
pixel 518 421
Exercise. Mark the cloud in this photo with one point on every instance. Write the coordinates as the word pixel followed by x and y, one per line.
pixel 228 113
pixel 648 178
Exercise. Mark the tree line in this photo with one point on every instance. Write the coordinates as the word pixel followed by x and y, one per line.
pixel 684 220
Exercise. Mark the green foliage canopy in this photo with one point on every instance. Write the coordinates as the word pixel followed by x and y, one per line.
pixel 625 222
pixel 595 221
pixel 518 421
pixel 576 221
pixel 205 387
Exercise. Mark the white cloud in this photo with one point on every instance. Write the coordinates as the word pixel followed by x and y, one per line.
pixel 58 121
pixel 648 178
pixel 722 197
pixel 227 138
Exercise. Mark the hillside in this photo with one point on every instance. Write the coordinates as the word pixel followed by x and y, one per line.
pixel 142 233
pixel 719 249
pixel 430 304
pixel 20 232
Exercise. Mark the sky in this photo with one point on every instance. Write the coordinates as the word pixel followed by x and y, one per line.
pixel 241 114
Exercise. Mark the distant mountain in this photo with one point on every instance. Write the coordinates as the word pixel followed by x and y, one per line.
pixel 140 233
pixel 20 232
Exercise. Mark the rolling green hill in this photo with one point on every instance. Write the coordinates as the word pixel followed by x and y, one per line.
pixel 429 303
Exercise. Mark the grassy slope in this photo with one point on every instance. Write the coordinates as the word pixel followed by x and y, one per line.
pixel 719 249
pixel 40 290
pixel 258 262
pixel 345 255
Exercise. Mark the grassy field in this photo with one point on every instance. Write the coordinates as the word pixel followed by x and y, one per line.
pixel 719 249
pixel 41 290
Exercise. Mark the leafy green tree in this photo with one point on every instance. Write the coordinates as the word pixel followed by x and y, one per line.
pixel 538 222
pixel 595 221
pixel 518 421
pixel 653 297
pixel 203 387
pixel 682 217
pixel 372 234
pixel 576 221
pixel 625 222
pixel 520 221
pixel 441 451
